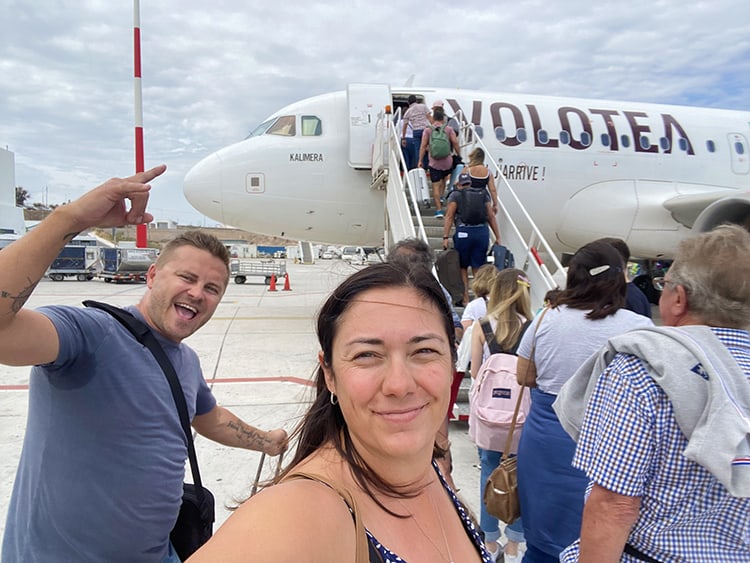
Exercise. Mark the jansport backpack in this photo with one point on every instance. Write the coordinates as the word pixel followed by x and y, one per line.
pixel 440 144
pixel 493 396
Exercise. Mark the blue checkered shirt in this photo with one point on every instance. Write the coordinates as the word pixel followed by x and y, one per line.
pixel 631 444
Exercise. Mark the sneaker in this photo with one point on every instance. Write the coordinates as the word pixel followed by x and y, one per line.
pixel 439 213
pixel 497 555
pixel 518 557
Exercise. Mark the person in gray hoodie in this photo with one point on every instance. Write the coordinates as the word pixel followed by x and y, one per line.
pixel 662 419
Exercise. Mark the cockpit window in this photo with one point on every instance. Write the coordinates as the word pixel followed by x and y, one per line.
pixel 283 126
pixel 260 129
pixel 311 126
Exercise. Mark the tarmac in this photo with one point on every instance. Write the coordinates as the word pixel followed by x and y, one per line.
pixel 258 353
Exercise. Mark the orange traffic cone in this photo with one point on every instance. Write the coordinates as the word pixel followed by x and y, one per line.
pixel 286 282
pixel 273 283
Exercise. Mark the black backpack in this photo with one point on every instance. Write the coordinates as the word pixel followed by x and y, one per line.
pixel 473 207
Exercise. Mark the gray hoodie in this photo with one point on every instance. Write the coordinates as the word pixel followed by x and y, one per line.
pixel 709 392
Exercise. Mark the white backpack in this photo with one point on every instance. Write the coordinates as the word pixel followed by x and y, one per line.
pixel 493 397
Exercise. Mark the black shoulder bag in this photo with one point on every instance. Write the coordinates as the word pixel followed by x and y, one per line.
pixel 195 522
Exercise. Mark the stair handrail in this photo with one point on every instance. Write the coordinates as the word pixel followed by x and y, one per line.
pixel 469 138
pixel 398 186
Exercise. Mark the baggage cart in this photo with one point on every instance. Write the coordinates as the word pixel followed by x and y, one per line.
pixel 241 269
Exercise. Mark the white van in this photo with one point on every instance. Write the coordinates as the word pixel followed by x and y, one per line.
pixel 353 254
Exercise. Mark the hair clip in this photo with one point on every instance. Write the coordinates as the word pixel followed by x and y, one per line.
pixel 524 281
pixel 599 270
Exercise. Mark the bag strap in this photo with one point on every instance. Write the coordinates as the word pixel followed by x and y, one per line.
pixel 145 336
pixel 489 336
pixel 506 451
pixel 362 543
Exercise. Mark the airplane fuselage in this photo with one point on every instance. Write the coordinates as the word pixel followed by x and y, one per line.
pixel 583 169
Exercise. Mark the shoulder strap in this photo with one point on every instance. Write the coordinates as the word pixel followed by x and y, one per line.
pixel 489 336
pixel 143 334
pixel 506 451
pixel 363 547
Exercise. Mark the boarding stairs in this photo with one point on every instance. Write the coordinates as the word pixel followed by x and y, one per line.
pixel 406 216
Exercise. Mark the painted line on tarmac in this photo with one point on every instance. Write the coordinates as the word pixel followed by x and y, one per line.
pixel 272 379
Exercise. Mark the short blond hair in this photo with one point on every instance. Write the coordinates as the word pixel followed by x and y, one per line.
pixel 484 279
pixel 199 240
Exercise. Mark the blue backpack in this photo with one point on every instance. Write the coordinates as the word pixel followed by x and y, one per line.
pixel 503 257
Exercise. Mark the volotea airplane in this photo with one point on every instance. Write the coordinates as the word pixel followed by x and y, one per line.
pixel 583 168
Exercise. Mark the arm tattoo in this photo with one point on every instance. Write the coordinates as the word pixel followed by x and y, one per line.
pixel 251 438
pixel 20 299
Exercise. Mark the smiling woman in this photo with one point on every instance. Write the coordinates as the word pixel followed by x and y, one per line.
pixel 365 446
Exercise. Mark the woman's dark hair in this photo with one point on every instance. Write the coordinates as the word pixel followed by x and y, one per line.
pixel 595 281
pixel 412 99
pixel 324 423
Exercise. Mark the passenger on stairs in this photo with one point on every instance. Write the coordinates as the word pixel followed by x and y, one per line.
pixel 440 163
pixel 635 299
pixel 509 309
pixel 484 279
pixel 471 210
pixel 480 175
pixel 586 314
pixel 415 117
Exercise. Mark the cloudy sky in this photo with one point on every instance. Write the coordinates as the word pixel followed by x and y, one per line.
pixel 214 70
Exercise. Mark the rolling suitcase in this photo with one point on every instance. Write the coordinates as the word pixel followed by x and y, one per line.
pixel 448 269
pixel 418 179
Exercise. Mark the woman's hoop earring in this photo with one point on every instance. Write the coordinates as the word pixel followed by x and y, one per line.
pixel 334 400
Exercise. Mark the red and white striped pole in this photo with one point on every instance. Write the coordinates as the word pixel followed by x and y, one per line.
pixel 141 232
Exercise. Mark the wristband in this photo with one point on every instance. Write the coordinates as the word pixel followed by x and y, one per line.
pixel 446 238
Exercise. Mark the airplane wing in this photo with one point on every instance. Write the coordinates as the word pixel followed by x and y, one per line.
pixel 702 212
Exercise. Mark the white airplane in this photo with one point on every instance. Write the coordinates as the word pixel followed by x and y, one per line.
pixel 649 174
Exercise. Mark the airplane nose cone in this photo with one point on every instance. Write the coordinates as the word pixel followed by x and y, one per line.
pixel 202 187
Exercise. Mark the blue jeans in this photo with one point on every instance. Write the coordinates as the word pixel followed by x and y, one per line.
pixel 411 153
pixel 418 144
pixel 489 460
pixel 172 556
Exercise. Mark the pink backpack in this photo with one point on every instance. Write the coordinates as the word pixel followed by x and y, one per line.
pixel 493 397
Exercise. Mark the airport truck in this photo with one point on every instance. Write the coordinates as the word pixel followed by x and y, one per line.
pixel 125 264
pixel 241 269
pixel 74 261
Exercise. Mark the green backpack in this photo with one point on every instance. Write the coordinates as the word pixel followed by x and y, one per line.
pixel 440 144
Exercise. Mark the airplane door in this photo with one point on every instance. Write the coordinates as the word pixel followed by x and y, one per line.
pixel 739 150
pixel 365 102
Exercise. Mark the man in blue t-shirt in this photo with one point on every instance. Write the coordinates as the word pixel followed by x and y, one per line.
pixel 103 461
